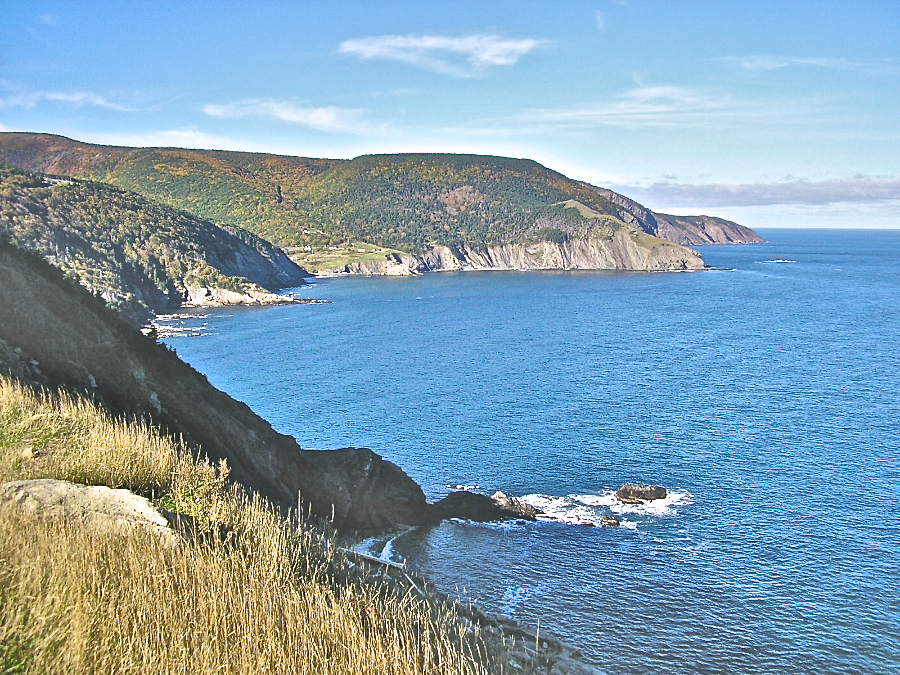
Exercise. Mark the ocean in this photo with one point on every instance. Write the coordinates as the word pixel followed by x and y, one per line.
pixel 765 396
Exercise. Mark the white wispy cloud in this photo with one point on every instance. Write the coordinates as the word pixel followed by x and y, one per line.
pixel 77 99
pixel 856 189
pixel 326 118
pixel 654 106
pixel 778 62
pixel 465 56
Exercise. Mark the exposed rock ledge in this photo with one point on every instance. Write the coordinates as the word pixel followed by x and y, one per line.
pixel 204 296
pixel 627 249
pixel 481 508
pixel 631 493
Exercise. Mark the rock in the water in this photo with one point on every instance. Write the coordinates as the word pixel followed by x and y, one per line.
pixel 515 506
pixel 480 508
pixel 94 506
pixel 630 493
pixel 609 521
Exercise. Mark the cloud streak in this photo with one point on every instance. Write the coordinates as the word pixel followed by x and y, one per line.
pixel 326 118
pixel 858 189
pixel 656 106
pixel 777 62
pixel 78 99
pixel 466 56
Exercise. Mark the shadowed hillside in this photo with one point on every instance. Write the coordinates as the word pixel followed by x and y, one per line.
pixel 66 336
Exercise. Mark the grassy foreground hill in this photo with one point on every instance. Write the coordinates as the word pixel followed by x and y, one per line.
pixel 86 398
pixel 408 202
pixel 136 253
pixel 272 596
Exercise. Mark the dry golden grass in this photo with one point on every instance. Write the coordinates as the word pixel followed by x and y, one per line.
pixel 59 436
pixel 259 594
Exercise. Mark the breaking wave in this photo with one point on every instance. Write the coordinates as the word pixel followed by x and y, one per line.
pixel 591 509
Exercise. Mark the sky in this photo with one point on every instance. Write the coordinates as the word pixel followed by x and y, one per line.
pixel 771 113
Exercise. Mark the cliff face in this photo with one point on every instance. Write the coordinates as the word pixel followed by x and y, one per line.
pixel 625 248
pixel 60 334
pixel 699 230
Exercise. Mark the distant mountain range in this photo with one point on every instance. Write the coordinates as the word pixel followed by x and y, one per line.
pixel 408 202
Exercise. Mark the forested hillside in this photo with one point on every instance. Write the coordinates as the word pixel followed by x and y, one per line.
pixel 407 202
pixel 136 253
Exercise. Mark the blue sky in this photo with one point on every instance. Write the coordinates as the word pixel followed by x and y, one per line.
pixel 773 113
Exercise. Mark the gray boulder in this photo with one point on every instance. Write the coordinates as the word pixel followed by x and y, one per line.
pixel 514 505
pixel 93 506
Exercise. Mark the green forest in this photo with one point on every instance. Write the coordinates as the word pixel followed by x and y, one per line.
pixel 134 252
pixel 404 202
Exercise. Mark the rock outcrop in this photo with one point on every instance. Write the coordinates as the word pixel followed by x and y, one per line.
pixel 631 493
pixel 364 489
pixel 96 507
pixel 481 508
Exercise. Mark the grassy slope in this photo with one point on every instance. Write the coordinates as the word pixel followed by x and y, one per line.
pixel 269 598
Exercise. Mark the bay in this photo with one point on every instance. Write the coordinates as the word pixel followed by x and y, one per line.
pixel 764 397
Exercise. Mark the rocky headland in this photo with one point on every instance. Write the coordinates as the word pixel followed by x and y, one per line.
pixel 140 256
pixel 54 333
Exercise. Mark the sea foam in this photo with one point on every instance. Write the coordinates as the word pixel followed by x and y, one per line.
pixel 591 508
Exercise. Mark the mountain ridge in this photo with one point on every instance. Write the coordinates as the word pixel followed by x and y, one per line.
pixel 406 202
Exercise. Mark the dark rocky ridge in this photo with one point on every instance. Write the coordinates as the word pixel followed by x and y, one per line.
pixel 67 337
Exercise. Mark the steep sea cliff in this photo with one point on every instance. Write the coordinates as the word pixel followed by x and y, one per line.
pixel 626 249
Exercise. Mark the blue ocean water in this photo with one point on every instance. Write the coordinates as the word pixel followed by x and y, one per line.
pixel 766 398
